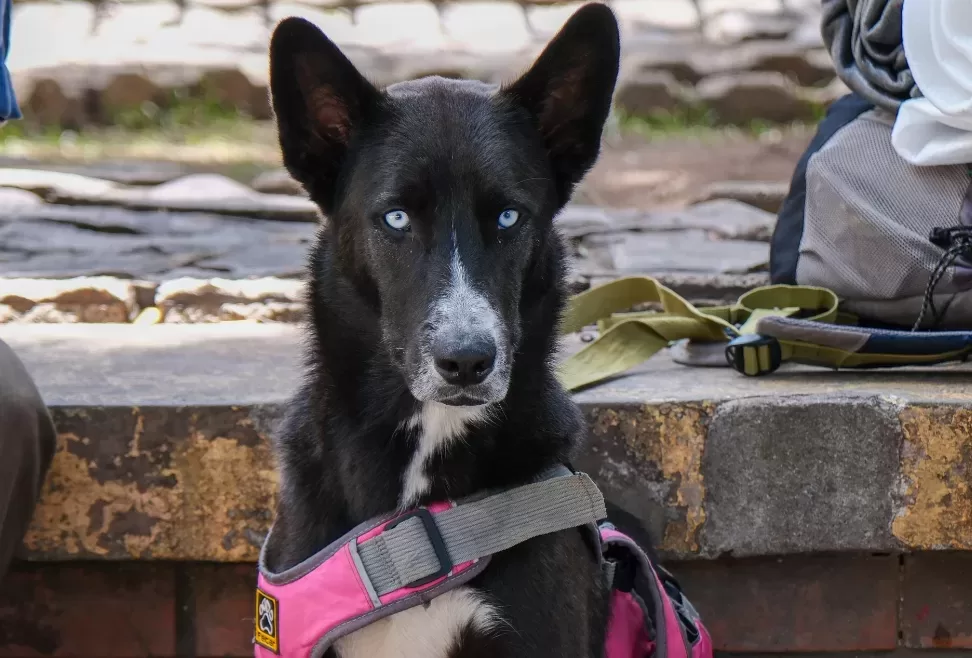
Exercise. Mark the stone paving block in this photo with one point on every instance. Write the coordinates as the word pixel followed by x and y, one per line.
pixel 729 219
pixel 215 292
pixel 71 21
pixel 675 251
pixel 113 611
pixel 739 98
pixel 124 171
pixel 651 93
pixel 648 461
pixel 63 241
pixel 487 26
pixel 804 66
pixel 545 20
pixel 210 193
pixel 12 199
pixel 46 103
pixel 934 507
pixel 765 195
pixel 163 483
pixel 784 473
pixel 231 87
pixel 223 602
pixel 127 22
pixel 57 265
pixel 128 92
pixel 281 259
pixel 667 14
pixel 9 314
pixel 737 25
pixel 796 604
pixel 53 185
pixel 683 58
pixel 276 181
pixel 410 24
pixel 936 609
pixel 202 364
pixel 88 299
pixel 199 300
pixel 337 24
pixel 211 28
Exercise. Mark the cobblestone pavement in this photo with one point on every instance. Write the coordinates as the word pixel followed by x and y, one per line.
pixel 187 245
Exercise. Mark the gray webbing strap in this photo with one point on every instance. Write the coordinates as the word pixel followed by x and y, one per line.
pixel 405 554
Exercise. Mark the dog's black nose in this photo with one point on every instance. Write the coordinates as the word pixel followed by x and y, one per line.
pixel 465 365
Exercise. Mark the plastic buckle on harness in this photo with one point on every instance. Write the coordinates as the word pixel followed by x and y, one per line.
pixel 435 538
pixel 754 355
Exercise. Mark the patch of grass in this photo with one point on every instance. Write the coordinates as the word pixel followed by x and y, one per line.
pixel 186 128
pixel 700 123
pixel 181 111
pixel 681 122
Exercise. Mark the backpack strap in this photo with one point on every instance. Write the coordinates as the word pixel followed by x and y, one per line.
pixel 819 343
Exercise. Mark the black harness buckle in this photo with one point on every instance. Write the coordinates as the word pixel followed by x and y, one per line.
pixel 435 538
pixel 745 350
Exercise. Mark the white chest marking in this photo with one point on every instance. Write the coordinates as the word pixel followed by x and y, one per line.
pixel 421 632
pixel 438 425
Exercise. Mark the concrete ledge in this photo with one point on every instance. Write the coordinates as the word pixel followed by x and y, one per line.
pixel 163 453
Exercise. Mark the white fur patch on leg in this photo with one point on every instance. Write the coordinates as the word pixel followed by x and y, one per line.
pixel 422 632
pixel 438 425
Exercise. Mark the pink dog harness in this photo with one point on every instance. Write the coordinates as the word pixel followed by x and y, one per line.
pixel 397 562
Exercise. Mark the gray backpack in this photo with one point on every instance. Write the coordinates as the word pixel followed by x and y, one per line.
pixel 892 240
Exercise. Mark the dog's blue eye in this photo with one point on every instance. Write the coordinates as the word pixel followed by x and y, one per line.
pixel 508 218
pixel 397 219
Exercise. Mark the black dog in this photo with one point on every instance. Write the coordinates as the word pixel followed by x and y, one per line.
pixel 436 287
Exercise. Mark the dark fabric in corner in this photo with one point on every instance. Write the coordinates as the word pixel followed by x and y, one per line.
pixel 785 245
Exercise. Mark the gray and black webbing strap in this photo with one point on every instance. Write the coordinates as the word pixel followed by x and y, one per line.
pixel 421 545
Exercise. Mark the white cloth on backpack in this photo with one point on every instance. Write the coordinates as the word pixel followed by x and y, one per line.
pixel 936 129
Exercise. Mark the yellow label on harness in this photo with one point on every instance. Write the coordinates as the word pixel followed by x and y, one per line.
pixel 267 633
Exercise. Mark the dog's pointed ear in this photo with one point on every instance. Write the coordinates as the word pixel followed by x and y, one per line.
pixel 569 91
pixel 319 98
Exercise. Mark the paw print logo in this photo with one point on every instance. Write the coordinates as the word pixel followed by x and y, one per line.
pixel 267 619
pixel 267 633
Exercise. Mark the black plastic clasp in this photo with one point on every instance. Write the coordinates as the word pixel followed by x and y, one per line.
pixel 747 347
pixel 435 538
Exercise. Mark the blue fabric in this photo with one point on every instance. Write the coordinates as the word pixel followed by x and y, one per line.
pixel 8 102
pixel 882 341
pixel 891 341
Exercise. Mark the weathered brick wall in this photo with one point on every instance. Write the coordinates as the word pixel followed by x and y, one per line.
pixel 821 605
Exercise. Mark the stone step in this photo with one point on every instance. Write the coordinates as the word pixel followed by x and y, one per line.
pixel 163 449
pixel 101 299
